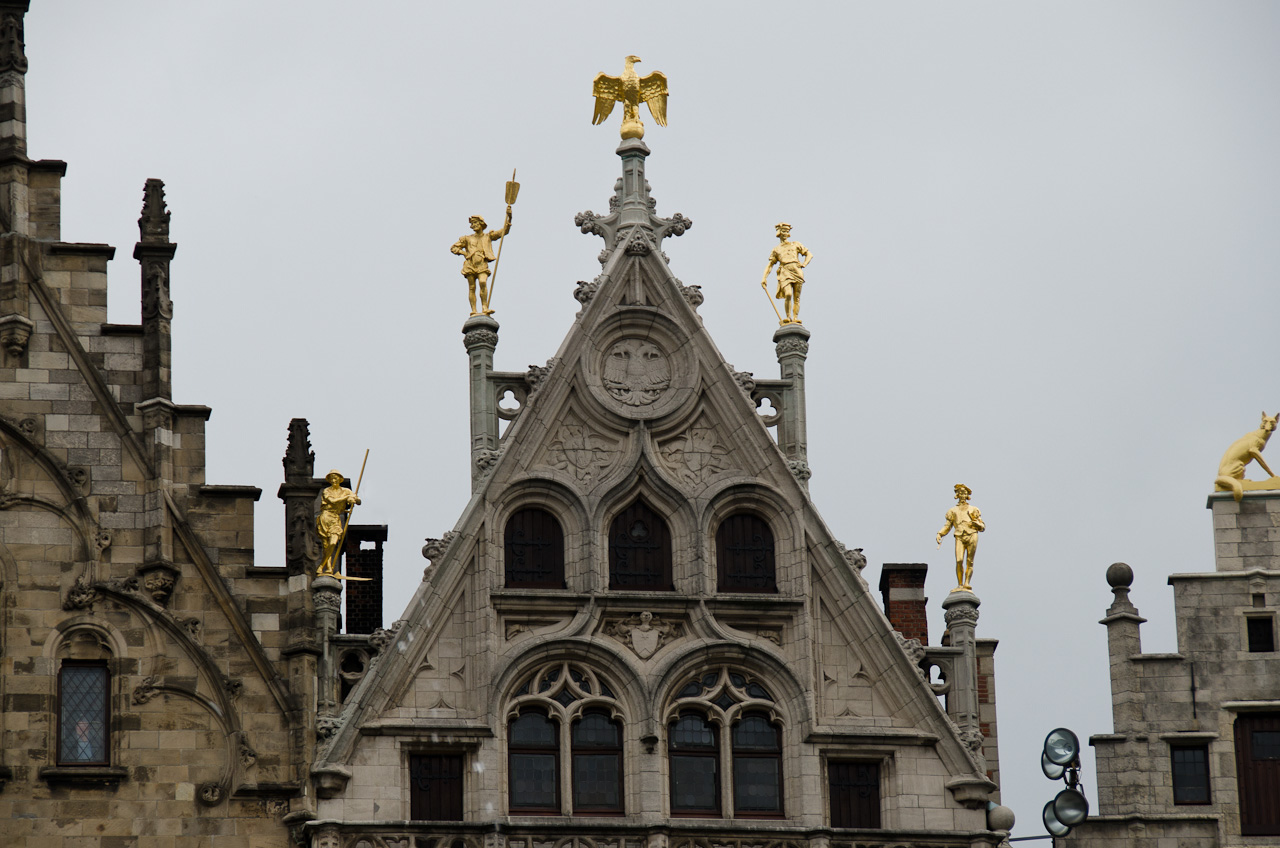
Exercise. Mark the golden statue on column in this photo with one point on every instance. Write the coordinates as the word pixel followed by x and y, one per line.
pixel 790 273
pixel 477 252
pixel 966 520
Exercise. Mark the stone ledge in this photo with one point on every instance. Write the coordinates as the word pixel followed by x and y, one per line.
pixel 84 775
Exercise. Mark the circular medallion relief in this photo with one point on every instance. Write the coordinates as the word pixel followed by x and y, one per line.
pixel 636 372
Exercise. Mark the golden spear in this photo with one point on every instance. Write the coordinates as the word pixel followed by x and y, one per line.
pixel 764 286
pixel 513 189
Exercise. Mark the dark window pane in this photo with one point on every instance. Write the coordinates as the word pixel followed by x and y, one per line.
pixel 1262 639
pixel 639 550
pixel 755 690
pixel 694 784
pixel 755 733
pixel 565 698
pixel 854 794
pixel 533 781
pixel 82 718
pixel 597 782
pixel 757 784
pixel 596 731
pixel 435 787
pixel 725 701
pixel 744 555
pixel 533 550
pixel 692 732
pixel 692 690
pixel 1191 775
pixel 533 730
pixel 1266 744
pixel 737 680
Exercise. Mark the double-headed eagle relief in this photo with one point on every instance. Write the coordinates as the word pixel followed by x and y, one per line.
pixel 631 90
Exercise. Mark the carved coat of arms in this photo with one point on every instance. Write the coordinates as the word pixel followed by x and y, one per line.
pixel 643 633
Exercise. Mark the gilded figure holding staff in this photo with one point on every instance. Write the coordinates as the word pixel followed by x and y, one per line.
pixel 790 273
pixel 336 502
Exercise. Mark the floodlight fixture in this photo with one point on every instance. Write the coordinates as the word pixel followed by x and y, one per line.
pixel 1061 747
pixel 1051 823
pixel 1051 770
pixel 1070 807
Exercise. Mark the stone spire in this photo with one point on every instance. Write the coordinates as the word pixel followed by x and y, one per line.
pixel 154 251
pixel 13 71
pixel 631 222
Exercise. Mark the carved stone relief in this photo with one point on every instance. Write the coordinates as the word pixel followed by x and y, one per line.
pixel 696 454
pixel 578 451
pixel 636 372
pixel 644 633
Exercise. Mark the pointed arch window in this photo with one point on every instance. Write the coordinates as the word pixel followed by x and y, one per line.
pixel 640 550
pixel 533 550
pixel 744 555
pixel 694 749
pixel 597 764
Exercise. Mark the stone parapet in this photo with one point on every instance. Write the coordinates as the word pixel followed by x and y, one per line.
pixel 1246 533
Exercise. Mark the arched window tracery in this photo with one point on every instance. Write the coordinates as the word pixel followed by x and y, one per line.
pixel 565 713
pixel 724 740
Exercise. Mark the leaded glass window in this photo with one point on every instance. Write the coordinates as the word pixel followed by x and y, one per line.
pixel 694 751
pixel 1190 774
pixel 757 767
pixel 83 697
pixel 597 764
pixel 533 753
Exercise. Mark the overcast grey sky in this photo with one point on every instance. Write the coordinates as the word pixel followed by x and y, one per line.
pixel 1044 236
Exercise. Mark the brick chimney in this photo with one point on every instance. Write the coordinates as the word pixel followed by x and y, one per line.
pixel 364 600
pixel 902 587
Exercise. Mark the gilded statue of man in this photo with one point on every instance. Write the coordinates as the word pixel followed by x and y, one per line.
pixel 477 252
pixel 966 520
pixel 790 272
pixel 335 502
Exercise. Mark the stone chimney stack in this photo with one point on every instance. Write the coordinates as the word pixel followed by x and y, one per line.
pixel 902 588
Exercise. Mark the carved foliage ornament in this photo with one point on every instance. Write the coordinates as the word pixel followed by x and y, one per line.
pixel 636 372
pixel 13 55
pixel 155 291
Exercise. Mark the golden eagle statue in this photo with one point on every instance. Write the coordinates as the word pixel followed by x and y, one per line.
pixel 631 89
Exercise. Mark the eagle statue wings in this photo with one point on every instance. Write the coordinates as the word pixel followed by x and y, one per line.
pixel 631 89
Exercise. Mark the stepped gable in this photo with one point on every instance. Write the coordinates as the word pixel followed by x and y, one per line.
pixel 638 411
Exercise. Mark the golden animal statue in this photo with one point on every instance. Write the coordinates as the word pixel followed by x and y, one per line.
pixel 967 522
pixel 790 273
pixel 1243 450
pixel 631 89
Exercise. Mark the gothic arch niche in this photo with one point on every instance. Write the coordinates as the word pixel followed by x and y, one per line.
pixel 565 508
pixel 83 663
pixel 639 550
pixel 780 519
pixel 646 485
pixel 24 466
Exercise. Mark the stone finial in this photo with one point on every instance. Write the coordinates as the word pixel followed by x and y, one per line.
pixel 299 459
pixel 13 55
pixel 154 223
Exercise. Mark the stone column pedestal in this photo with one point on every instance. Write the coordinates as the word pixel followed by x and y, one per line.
pixel 962 701
pixel 480 336
pixel 326 595
pixel 792 347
